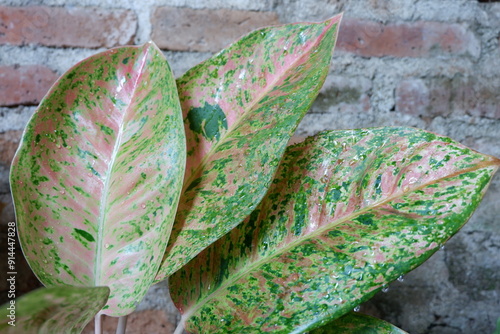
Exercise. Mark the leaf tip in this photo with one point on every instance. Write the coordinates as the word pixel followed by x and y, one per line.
pixel 150 46
pixel 336 19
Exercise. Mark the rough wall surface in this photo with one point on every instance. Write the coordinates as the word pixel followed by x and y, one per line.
pixel 424 63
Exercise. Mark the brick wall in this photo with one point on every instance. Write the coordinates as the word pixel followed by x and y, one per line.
pixel 430 64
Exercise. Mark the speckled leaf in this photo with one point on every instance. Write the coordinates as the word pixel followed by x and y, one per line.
pixel 357 323
pixel 97 177
pixel 62 309
pixel 240 108
pixel 348 212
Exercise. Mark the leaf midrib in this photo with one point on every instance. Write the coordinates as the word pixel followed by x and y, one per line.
pixel 483 164
pixel 104 198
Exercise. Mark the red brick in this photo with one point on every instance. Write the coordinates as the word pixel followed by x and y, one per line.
pixel 444 96
pixel 74 27
pixel 412 97
pixel 476 98
pixel 185 29
pixel 418 39
pixel 24 85
pixel 9 141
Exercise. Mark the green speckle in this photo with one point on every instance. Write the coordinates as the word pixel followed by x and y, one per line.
pixel 125 60
pixel 378 183
pixel 106 129
pixel 47 241
pixel 85 235
pixel 81 191
pixel 54 166
pixel 417 157
pixel 366 219
pixel 207 120
pixel 194 184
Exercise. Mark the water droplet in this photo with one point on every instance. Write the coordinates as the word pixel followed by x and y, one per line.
pixel 385 289
pixel 62 192
pixel 442 247
pixel 106 246
pixel 357 308
pixel 143 205
pixel 401 278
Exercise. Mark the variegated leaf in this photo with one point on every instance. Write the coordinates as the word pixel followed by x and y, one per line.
pixel 63 309
pixel 97 177
pixel 348 212
pixel 240 108
pixel 357 323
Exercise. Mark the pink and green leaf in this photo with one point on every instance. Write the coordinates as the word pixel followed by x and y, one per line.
pixel 348 212
pixel 98 174
pixel 240 109
pixel 62 309
pixel 357 323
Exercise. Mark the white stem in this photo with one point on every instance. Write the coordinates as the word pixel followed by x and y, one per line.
pixel 98 323
pixel 180 328
pixel 122 325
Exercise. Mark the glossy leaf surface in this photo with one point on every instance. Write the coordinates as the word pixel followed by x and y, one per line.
pixel 357 323
pixel 62 309
pixel 348 212
pixel 240 109
pixel 98 174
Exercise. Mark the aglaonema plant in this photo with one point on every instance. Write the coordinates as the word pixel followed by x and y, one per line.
pixel 125 177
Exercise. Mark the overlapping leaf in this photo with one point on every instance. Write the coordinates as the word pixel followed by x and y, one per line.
pixel 97 177
pixel 62 309
pixel 357 323
pixel 348 212
pixel 240 109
